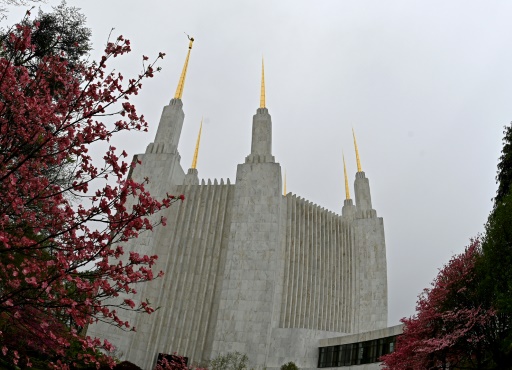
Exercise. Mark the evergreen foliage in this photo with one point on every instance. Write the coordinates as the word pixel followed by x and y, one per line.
pixel 504 176
pixel 495 266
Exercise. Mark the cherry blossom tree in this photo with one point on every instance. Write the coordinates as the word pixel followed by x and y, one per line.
pixel 452 328
pixel 61 242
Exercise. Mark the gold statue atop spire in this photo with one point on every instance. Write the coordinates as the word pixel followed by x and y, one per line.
pixel 284 191
pixel 196 152
pixel 347 191
pixel 357 152
pixel 181 83
pixel 262 96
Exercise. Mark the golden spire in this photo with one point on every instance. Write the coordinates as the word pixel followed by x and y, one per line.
pixel 196 152
pixel 284 191
pixel 357 152
pixel 262 96
pixel 347 191
pixel 181 84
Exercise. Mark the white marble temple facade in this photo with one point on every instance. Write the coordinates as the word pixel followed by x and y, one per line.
pixel 248 269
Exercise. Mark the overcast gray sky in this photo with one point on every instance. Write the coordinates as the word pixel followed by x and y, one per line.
pixel 427 86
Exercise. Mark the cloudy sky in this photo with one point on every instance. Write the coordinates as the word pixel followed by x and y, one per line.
pixel 427 86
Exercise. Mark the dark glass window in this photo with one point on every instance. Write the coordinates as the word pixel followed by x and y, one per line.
pixel 321 357
pixel 355 353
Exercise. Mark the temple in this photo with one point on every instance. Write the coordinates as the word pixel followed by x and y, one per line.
pixel 249 268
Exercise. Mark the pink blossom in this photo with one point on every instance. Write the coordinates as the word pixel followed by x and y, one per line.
pixel 50 230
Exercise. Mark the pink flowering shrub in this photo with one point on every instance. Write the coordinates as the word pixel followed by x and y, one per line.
pixel 451 325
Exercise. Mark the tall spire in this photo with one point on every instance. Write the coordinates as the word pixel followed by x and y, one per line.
pixel 181 83
pixel 196 152
pixel 347 191
pixel 262 95
pixel 357 152
pixel 261 143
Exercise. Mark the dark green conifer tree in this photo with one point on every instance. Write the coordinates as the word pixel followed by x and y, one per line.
pixel 495 268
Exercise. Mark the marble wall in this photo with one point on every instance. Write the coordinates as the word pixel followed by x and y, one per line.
pixel 248 269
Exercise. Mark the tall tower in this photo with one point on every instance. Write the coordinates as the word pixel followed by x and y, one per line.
pixel 160 167
pixel 165 146
pixel 248 298
pixel 362 188
pixel 371 293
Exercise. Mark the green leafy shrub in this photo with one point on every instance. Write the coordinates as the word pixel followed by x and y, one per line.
pixel 229 361
pixel 289 366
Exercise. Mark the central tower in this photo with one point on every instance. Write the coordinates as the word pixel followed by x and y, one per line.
pixel 250 291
